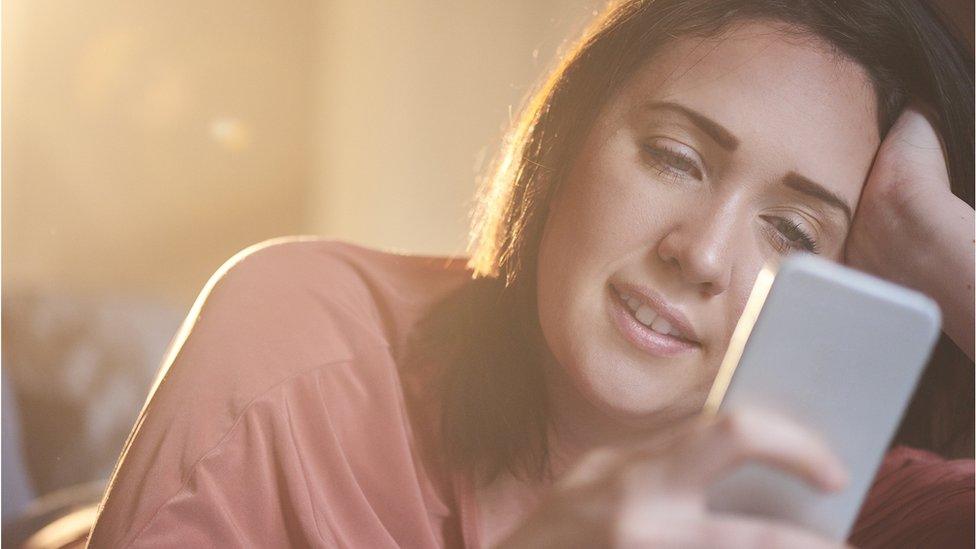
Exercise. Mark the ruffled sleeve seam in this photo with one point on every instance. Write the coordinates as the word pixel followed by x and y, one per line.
pixel 301 465
pixel 225 436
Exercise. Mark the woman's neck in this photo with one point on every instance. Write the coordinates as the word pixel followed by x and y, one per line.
pixel 579 426
pixel 576 424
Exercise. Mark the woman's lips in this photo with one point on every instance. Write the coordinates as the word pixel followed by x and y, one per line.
pixel 642 336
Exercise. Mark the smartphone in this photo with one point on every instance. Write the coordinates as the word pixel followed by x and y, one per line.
pixel 836 350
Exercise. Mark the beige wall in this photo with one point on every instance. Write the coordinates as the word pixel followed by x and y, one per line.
pixel 412 101
pixel 145 142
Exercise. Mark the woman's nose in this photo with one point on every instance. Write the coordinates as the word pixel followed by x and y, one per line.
pixel 701 251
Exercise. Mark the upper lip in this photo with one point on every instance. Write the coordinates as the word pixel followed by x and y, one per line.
pixel 670 312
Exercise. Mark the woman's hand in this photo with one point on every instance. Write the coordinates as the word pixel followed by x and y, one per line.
pixel 909 228
pixel 907 187
pixel 654 495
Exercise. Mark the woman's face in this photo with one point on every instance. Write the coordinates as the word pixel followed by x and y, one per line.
pixel 719 155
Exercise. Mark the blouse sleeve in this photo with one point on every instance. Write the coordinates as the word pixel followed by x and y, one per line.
pixel 276 419
pixel 918 499
pixel 250 489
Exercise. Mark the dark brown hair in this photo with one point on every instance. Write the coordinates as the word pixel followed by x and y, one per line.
pixel 494 408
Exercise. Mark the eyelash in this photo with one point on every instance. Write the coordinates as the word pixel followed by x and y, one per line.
pixel 782 239
pixel 671 163
pixel 676 164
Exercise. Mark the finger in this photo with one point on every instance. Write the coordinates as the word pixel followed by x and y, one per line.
pixel 724 443
pixel 606 459
pixel 734 531
pixel 914 127
pixel 912 147
pixel 592 466
pixel 718 532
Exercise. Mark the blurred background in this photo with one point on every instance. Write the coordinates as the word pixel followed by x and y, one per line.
pixel 146 142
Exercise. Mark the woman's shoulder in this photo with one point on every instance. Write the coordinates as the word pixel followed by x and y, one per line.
pixel 336 271
pixel 286 306
pixel 341 296
pixel 291 339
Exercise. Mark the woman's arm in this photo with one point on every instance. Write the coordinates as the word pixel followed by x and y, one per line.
pixel 909 228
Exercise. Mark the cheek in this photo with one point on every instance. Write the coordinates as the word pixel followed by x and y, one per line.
pixel 594 226
pixel 609 208
pixel 601 220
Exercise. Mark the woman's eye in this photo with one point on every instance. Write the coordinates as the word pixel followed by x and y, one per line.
pixel 672 162
pixel 789 235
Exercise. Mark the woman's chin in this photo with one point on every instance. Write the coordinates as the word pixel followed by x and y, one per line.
pixel 632 397
pixel 641 412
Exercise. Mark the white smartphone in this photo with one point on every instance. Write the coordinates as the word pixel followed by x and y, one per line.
pixel 836 350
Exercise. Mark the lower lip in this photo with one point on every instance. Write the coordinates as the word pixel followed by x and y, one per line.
pixel 641 336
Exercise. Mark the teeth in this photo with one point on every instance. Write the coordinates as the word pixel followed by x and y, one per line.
pixel 661 326
pixel 648 316
pixel 645 315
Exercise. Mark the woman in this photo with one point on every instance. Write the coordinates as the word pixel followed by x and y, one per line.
pixel 322 394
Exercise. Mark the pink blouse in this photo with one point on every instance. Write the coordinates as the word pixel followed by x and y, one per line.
pixel 280 418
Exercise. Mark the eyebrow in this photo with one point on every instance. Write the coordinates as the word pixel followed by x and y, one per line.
pixel 730 142
pixel 797 182
pixel 716 131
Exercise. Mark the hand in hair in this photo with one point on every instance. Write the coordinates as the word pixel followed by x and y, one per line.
pixel 911 229
pixel 653 494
